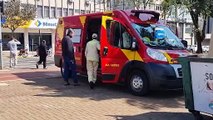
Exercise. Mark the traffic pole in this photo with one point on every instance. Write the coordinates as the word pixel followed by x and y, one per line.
pixel 1 59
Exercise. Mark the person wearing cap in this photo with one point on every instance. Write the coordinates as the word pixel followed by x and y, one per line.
pixel 92 57
pixel 69 58
pixel 42 52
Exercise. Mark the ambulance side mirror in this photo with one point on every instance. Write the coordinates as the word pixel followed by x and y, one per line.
pixel 134 45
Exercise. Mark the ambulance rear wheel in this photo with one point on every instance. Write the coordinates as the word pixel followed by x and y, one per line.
pixel 62 69
pixel 138 83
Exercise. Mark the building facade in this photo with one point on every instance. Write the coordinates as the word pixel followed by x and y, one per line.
pixel 47 14
pixel 209 30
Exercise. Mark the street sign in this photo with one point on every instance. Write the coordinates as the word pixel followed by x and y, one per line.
pixel 202 86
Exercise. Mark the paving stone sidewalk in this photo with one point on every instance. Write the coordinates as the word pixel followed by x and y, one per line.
pixel 48 99
pixel 30 94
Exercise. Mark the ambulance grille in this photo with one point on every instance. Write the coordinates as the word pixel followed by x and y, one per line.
pixel 180 72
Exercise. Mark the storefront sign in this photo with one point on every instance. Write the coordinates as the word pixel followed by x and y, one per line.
pixel 202 86
pixel 42 24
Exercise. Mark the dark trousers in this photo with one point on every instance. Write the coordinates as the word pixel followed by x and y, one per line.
pixel 42 59
pixel 70 70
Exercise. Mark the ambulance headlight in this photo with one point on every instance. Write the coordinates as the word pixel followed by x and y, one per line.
pixel 157 55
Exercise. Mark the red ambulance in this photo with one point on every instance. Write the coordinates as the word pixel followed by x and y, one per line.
pixel 136 49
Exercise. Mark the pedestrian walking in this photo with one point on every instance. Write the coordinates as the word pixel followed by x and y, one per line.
pixel 12 45
pixel 42 52
pixel 69 59
pixel 92 57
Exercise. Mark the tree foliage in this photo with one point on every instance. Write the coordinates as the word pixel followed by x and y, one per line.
pixel 167 6
pixel 17 14
pixel 200 11
pixel 138 3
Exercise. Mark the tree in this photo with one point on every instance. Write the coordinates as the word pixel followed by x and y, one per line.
pixel 200 10
pixel 17 14
pixel 166 6
pixel 138 3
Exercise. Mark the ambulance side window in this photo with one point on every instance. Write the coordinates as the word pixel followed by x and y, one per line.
pixel 117 35
pixel 77 35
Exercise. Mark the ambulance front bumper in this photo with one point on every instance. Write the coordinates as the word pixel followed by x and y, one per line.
pixel 165 76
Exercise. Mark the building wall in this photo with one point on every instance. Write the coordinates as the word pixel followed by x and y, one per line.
pixel 67 5
pixel 50 10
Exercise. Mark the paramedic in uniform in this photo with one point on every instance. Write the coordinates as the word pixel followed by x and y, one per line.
pixel 69 58
pixel 92 58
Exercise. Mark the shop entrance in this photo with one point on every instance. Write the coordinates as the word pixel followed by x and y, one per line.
pixel 35 40
pixel 6 38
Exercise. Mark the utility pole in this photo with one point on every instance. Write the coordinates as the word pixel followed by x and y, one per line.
pixel 177 20
pixel 94 5
pixel 123 5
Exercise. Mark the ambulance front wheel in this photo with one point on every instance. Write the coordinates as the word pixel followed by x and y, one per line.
pixel 138 83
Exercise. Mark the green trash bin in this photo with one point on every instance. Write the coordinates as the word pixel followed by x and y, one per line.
pixel 198 85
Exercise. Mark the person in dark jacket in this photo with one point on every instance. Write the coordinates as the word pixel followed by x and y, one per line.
pixel 69 58
pixel 42 52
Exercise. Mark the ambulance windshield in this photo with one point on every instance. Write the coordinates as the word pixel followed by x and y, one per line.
pixel 158 36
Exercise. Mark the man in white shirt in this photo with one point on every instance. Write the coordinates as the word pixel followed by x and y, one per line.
pixel 92 57
pixel 12 45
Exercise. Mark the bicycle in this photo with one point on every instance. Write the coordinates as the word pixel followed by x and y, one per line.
pixel 23 53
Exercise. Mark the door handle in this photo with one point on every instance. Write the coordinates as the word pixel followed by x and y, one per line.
pixel 105 51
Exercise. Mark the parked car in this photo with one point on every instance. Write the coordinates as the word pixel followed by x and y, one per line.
pixel 205 48
pixel 192 48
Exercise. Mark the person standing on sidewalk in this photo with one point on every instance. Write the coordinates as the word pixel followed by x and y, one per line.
pixel 69 58
pixel 42 52
pixel 92 57
pixel 12 45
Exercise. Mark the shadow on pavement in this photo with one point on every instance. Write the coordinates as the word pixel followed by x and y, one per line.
pixel 33 76
pixel 54 87
pixel 160 116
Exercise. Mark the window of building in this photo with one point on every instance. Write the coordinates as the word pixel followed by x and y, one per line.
pixel 46 12
pixel 117 35
pixel 188 28
pixel 77 11
pixel 65 12
pixel 53 12
pixel 82 11
pixel 157 7
pixel 70 11
pixel 39 12
pixel 59 12
pixel 35 40
pixel 88 11
pixel 6 39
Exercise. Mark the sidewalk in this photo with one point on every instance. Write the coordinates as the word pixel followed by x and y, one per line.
pixel 49 99
pixel 25 63
pixel 15 74
pixel 26 69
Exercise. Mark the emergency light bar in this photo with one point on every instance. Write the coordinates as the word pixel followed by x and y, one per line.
pixel 152 14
